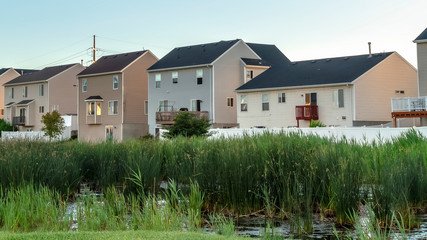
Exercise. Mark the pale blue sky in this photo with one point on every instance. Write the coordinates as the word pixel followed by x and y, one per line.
pixel 35 34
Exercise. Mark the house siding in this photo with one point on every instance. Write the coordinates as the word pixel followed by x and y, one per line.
pixel 375 89
pixel 422 68
pixel 283 114
pixel 4 78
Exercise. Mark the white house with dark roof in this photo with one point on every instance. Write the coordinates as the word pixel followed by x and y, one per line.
pixel 202 79
pixel 32 95
pixel 113 97
pixel 343 91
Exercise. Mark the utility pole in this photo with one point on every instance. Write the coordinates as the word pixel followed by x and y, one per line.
pixel 94 50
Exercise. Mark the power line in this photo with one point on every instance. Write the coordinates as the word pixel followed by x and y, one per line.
pixel 75 55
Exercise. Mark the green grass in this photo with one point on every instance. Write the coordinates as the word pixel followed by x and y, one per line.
pixel 141 234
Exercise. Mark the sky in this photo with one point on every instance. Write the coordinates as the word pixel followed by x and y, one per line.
pixel 37 34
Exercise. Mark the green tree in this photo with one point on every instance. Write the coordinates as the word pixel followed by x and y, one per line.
pixel 187 124
pixel 53 124
pixel 5 126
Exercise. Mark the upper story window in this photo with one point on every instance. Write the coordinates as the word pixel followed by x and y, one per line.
pixel 158 78
pixel 116 82
pixel 311 99
pixel 199 76
pixel 84 84
pixel 249 75
pixel 25 92
pixel 338 98
pixel 146 107
pixel 41 109
pixel 230 102
pixel 41 90
pixel 281 97
pixel 244 103
pixel 266 102
pixel 12 93
pixel 174 77
pixel 93 107
pixel 113 107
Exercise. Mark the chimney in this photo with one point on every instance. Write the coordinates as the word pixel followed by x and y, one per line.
pixel 369 44
pixel 81 61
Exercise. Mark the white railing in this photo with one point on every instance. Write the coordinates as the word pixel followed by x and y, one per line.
pixel 409 104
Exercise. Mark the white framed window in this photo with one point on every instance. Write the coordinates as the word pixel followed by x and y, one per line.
pixel 158 78
pixel 25 92
pixel 174 77
pixel 94 107
pixel 230 102
pixel 338 98
pixel 281 97
pixel 109 132
pixel 199 76
pixel 115 82
pixel 196 105
pixel 12 93
pixel 244 103
pixel 113 107
pixel 41 109
pixel 41 90
pixel 265 102
pixel 311 99
pixel 55 107
pixel 146 107
pixel 163 105
pixel 84 84
pixel 249 75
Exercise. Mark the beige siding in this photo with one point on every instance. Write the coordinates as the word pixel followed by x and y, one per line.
pixel 256 71
pixel 375 89
pixel 227 77
pixel 63 91
pixel 283 114
pixel 100 86
pixel 4 78
pixel 136 89
pixel 422 68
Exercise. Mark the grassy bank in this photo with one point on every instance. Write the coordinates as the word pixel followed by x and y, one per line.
pixel 290 176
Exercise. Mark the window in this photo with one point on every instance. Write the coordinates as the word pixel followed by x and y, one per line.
pixel 196 105
pixel 41 109
pixel 244 103
pixel 174 77
pixel 41 90
pixel 249 75
pixel 25 92
pixel 282 97
pixel 109 132
pixel 338 98
pixel 92 107
pixel 84 85
pixel 146 107
pixel 12 93
pixel 311 99
pixel 163 105
pixel 265 102
pixel 55 107
pixel 115 82
pixel 230 102
pixel 199 76
pixel 158 78
pixel 112 107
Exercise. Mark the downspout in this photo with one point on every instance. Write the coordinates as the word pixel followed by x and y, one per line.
pixel 213 94
pixel 123 106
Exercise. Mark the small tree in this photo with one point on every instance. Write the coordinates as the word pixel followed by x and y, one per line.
pixel 5 126
pixel 187 124
pixel 53 124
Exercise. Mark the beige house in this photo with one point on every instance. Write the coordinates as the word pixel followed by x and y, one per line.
pixel 113 97
pixel 344 91
pixel 7 74
pixel 31 95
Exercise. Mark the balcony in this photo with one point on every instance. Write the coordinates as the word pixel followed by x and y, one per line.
pixel 410 107
pixel 167 118
pixel 93 119
pixel 306 112
pixel 18 121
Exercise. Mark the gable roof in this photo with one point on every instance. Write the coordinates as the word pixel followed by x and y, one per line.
pixel 20 71
pixel 340 70
pixel 195 55
pixel 269 53
pixel 422 37
pixel 111 63
pixel 41 75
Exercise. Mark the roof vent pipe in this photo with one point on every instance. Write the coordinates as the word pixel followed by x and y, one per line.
pixel 369 44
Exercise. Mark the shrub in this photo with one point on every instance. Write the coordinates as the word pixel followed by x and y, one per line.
pixel 187 124
pixel 53 124
pixel 316 123
pixel 5 126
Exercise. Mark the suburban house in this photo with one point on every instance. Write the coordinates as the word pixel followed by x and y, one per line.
pixel 7 74
pixel 112 97
pixel 202 79
pixel 31 95
pixel 343 91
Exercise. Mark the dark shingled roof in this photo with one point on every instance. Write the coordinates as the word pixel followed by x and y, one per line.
pixel 315 72
pixel 193 55
pixel 269 53
pixel 25 102
pixel 9 104
pixel 41 75
pixel 112 63
pixel 20 71
pixel 255 62
pixel 422 36
pixel 97 97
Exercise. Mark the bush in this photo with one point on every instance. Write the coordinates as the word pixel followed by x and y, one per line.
pixel 316 123
pixel 187 124
pixel 53 124
pixel 5 126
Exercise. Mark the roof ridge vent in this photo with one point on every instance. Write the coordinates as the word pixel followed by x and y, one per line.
pixel 346 58
pixel 328 60
pixel 313 61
